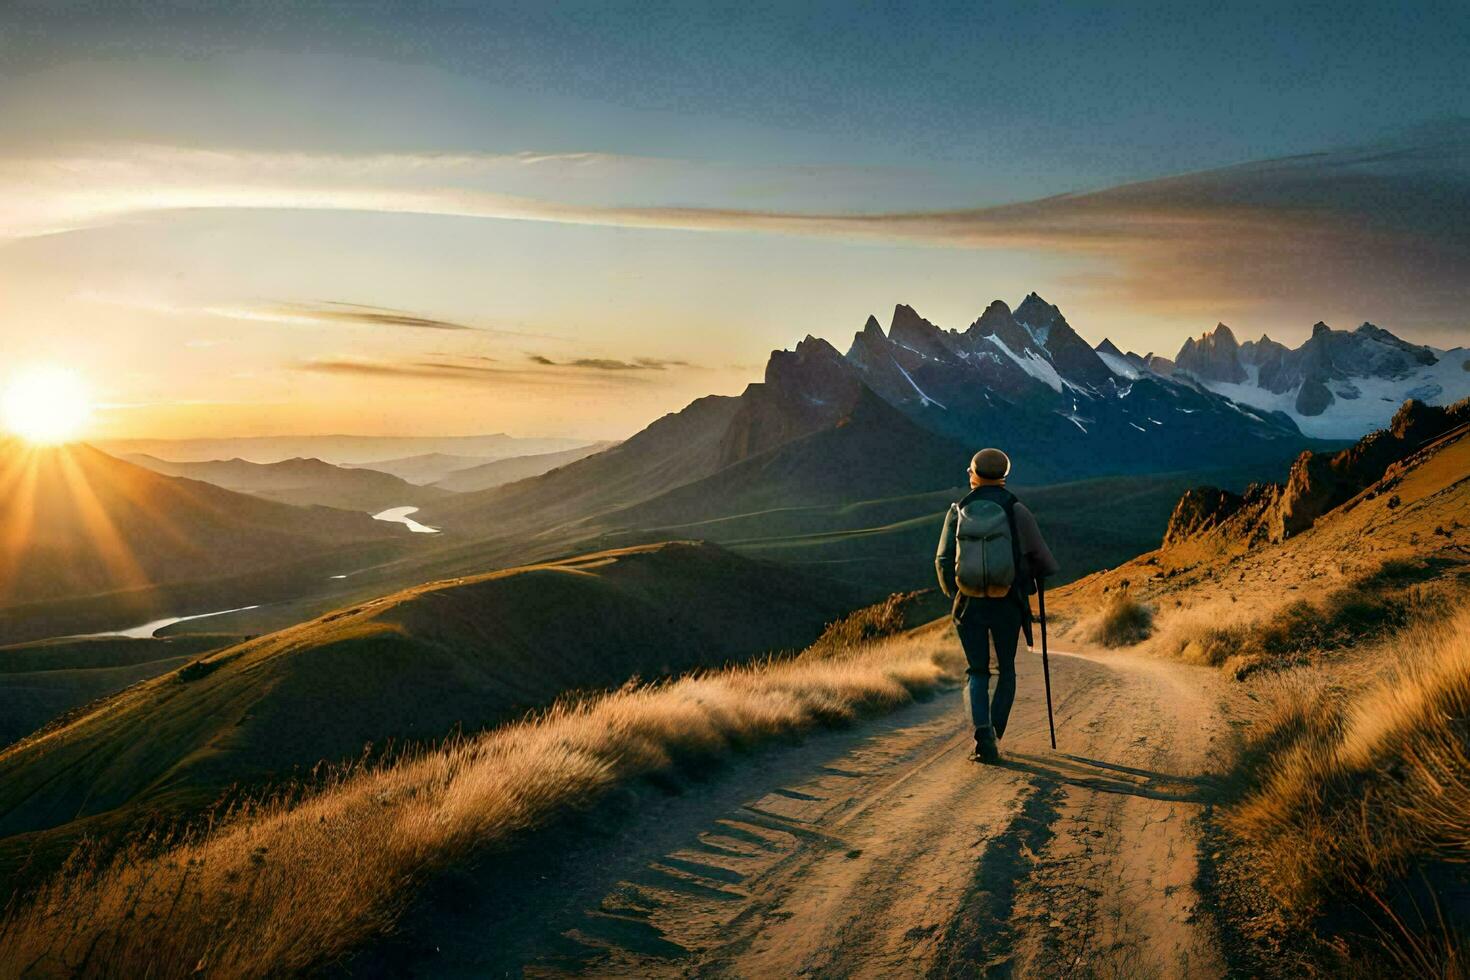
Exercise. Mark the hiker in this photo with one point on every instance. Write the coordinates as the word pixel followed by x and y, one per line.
pixel 990 557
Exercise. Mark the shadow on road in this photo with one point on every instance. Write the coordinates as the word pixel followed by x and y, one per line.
pixel 1107 777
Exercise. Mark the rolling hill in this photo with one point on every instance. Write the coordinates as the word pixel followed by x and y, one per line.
pixel 502 471
pixel 418 664
pixel 339 449
pixel 302 482
pixel 78 524
pixel 424 468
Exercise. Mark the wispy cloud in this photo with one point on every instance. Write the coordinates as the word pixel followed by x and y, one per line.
pixel 1371 228
pixel 336 314
pixel 475 370
pixel 610 364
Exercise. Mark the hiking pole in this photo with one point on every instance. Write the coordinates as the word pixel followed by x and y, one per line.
pixel 1045 664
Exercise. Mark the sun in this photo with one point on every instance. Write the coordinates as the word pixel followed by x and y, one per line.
pixel 45 404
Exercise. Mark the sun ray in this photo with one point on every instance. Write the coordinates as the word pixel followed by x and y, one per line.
pixel 109 544
pixel 17 517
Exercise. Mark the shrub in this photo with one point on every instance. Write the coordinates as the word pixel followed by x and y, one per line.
pixel 1124 621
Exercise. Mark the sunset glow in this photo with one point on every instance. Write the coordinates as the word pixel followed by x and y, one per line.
pixel 46 405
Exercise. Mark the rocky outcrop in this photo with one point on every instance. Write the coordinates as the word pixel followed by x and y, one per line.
pixel 1201 509
pixel 1318 482
pixel 1313 398
pixel 1233 519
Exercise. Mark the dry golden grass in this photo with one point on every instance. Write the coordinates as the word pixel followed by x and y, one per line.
pixel 1123 621
pixel 1358 796
pixel 1219 632
pixel 284 885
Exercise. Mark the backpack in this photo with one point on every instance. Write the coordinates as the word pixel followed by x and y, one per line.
pixel 986 549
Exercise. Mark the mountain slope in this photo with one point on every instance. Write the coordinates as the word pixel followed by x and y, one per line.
pixel 1399 495
pixel 302 482
pixel 676 449
pixel 466 652
pixel 873 451
pixel 78 522
pixel 502 471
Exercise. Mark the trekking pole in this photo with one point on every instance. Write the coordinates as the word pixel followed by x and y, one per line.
pixel 1045 664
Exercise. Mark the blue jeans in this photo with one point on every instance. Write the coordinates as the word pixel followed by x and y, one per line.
pixel 983 624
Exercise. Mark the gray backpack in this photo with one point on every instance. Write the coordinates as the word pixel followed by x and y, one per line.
pixel 985 549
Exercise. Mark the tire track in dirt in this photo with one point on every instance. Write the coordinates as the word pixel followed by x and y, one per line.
pixel 883 851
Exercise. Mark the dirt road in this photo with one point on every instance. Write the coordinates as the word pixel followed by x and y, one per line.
pixel 883 851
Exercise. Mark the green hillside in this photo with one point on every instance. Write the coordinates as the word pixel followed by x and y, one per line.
pixel 415 665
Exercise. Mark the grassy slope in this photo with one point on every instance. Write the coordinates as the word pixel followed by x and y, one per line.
pixel 301 881
pixel 887 545
pixel 1341 838
pixel 40 681
pixel 409 666
pixel 1379 525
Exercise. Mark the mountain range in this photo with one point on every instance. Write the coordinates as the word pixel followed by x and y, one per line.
pixel 1338 384
pixel 899 413
pixel 340 449
pixel 304 482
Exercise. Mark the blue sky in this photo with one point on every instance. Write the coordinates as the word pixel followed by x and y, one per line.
pixel 192 185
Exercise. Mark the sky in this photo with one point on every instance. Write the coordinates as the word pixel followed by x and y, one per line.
pixel 544 218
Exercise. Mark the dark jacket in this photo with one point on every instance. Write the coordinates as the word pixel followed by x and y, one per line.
pixel 1036 561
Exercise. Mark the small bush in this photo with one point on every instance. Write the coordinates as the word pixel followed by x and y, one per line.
pixel 899 612
pixel 1123 622
pixel 1347 617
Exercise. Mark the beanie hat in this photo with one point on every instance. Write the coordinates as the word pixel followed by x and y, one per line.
pixel 991 464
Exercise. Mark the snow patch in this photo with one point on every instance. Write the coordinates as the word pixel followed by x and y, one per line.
pixel 1118 365
pixel 1378 398
pixel 1037 367
pixel 926 400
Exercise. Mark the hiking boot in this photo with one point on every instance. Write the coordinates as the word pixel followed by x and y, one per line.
pixel 986 750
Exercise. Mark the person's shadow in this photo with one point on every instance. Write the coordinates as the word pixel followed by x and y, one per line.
pixel 1109 777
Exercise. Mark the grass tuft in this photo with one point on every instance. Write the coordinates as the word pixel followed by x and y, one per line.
pixel 1123 621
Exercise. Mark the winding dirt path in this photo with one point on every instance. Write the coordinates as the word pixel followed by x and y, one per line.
pixel 884 852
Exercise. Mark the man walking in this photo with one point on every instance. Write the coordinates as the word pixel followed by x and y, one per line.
pixel 990 557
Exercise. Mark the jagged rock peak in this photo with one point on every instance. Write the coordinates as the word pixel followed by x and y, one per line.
pixel 1319 328
pixel 1036 311
pixel 872 328
pixel 812 353
pixel 1108 347
pixel 811 346
pixel 1213 356
pixel 904 316
pixel 996 319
